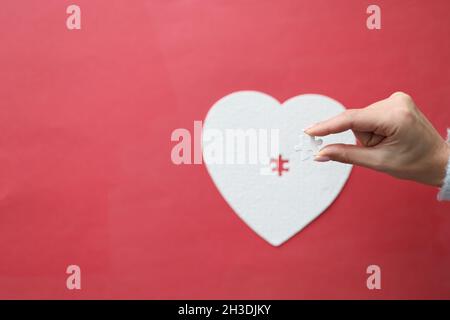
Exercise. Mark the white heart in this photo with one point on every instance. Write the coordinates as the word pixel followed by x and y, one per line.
pixel 276 207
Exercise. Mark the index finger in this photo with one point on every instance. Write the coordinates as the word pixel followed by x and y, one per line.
pixel 352 119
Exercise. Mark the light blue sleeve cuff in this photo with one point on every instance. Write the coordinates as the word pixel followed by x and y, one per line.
pixel 444 193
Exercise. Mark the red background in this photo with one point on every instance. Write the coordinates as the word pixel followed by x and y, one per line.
pixel 85 170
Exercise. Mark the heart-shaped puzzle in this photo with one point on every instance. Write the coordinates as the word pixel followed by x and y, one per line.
pixel 283 191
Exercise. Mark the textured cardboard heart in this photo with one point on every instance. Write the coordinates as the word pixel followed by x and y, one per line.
pixel 276 206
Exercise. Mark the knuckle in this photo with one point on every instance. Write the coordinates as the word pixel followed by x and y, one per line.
pixel 401 96
pixel 350 116
pixel 402 106
pixel 404 114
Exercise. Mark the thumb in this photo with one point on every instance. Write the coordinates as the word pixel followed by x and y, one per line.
pixel 362 156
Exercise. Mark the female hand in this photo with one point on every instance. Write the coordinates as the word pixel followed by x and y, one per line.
pixel 395 138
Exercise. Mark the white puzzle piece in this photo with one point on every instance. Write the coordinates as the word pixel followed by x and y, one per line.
pixel 280 204
pixel 308 147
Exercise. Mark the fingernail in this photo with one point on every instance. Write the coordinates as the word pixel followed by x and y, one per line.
pixel 307 128
pixel 321 158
